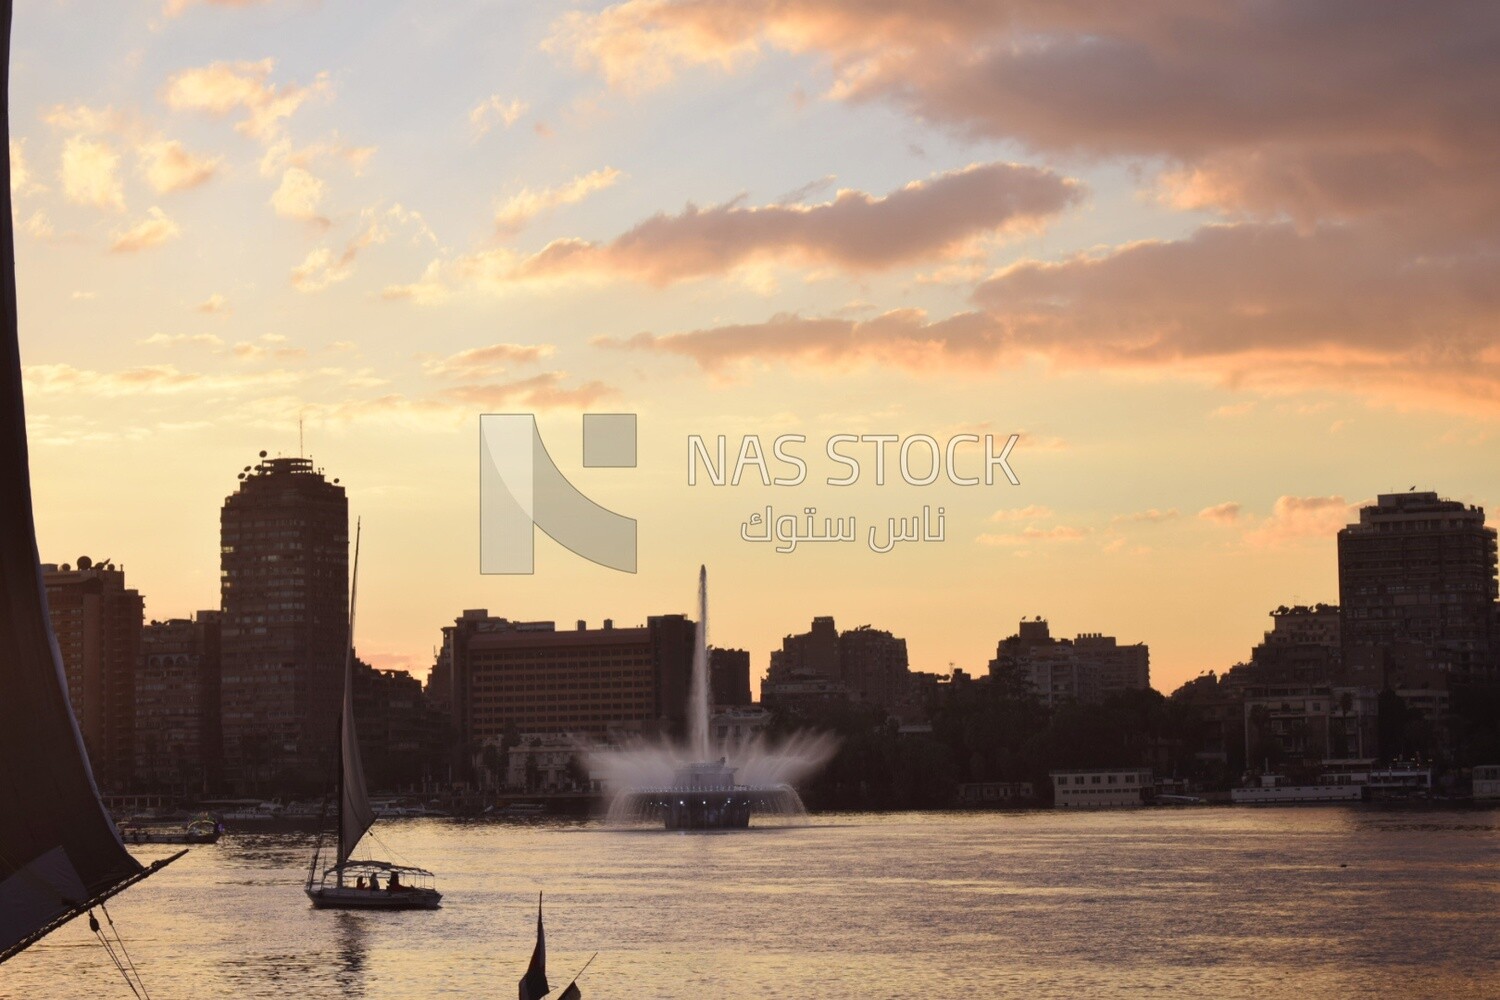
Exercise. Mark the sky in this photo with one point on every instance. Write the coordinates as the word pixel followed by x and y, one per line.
pixel 1228 270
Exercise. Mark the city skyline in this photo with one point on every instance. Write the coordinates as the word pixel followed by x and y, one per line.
pixel 1217 327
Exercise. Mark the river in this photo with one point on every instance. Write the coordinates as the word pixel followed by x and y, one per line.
pixel 1266 903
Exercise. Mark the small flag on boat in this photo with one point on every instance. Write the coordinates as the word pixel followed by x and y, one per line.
pixel 534 983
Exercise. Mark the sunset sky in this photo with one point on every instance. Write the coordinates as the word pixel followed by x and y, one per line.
pixel 1228 269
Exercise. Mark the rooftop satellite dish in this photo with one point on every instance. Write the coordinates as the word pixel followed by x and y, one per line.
pixel 242 475
pixel 335 482
pixel 84 562
pixel 262 454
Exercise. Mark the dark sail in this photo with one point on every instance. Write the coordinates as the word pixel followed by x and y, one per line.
pixel 59 850
pixel 534 983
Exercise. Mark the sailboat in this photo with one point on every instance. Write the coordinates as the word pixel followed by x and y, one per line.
pixel 364 884
pixel 60 854
pixel 533 985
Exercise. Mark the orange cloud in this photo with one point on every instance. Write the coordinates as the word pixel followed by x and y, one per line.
pixel 1262 306
pixel 520 208
pixel 321 267
pixel 170 167
pixel 90 174
pixel 174 8
pixel 298 195
pixel 1060 533
pixel 145 380
pixel 1221 513
pixel 1244 98
pixel 931 219
pixel 485 362
pixel 1295 518
pixel 151 231
pixel 1029 513
pixel 495 108
pixel 1152 516
pixel 222 88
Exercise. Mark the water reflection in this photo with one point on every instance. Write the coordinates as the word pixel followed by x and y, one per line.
pixel 352 948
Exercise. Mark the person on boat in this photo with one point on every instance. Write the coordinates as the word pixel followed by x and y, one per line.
pixel 359 883
pixel 395 884
pixel 374 882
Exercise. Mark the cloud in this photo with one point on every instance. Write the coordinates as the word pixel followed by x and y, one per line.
pixel 936 218
pixel 322 268
pixel 170 167
pixel 177 339
pixel 298 196
pixel 81 118
pixel 900 338
pixel 452 405
pixel 145 380
pixel 1361 187
pixel 931 219
pixel 38 226
pixel 151 231
pixel 1244 98
pixel 22 182
pixel 223 88
pixel 1251 305
pixel 1152 516
pixel 495 108
pixel 165 163
pixel 485 362
pixel 90 174
pixel 1060 533
pixel 1221 513
pixel 520 208
pixel 281 154
pixel 1293 519
pixel 1029 513
pixel 271 345
pixel 215 303
pixel 174 8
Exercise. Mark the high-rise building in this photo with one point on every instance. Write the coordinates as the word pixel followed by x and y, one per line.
pixel 1420 571
pixel 97 620
pixel 285 590
pixel 821 665
pixel 1303 646
pixel 1088 668
pixel 177 738
pixel 729 677
pixel 874 667
pixel 400 736
pixel 531 678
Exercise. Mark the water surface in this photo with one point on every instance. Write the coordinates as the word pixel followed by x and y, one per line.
pixel 1265 903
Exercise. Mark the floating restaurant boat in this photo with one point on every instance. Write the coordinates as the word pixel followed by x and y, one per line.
pixel 350 884
pixel 199 830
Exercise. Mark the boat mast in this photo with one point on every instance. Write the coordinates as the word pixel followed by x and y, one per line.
pixel 348 680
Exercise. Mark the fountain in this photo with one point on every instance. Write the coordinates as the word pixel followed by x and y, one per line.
pixel 702 787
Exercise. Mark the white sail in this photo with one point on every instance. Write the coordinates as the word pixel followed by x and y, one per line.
pixel 355 812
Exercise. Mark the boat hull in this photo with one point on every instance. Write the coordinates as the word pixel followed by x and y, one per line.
pixel 334 898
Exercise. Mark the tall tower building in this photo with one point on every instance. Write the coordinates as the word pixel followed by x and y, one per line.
pixel 284 559
pixel 98 620
pixel 1419 571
